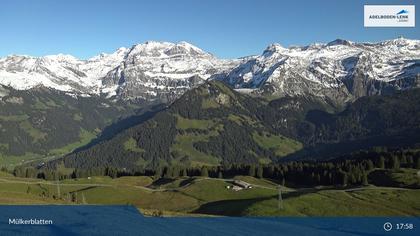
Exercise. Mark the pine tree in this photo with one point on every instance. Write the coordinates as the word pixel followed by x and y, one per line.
pixel 158 173
pixel 270 171
pixel 395 163
pixel 318 179
pixel 167 172
pixel 403 160
pixel 369 165
pixel 381 164
pixel 417 163
pixel 365 179
pixel 251 170
pixel 260 172
pixel 184 172
pixel 344 179
pixel 410 160
pixel 204 172
pixel 175 172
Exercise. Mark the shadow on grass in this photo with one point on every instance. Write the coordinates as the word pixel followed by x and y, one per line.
pixel 229 207
pixel 161 181
pixel 123 124
pixel 384 178
pixel 238 206
pixel 83 189
pixel 186 182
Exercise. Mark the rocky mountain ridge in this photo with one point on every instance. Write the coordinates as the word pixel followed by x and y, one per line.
pixel 337 72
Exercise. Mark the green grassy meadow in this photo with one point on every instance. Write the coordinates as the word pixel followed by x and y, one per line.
pixel 197 196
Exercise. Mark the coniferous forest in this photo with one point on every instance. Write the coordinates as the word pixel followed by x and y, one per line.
pixel 213 125
pixel 348 170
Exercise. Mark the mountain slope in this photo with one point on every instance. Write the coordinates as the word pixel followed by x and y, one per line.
pixel 337 72
pixel 162 71
pixel 41 122
pixel 213 125
pixel 383 121
pixel 149 71
pixel 209 125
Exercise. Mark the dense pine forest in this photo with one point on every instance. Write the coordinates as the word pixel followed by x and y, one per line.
pixel 213 125
pixel 347 170
pixel 43 122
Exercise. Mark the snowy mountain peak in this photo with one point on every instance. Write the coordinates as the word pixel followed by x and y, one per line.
pixel 192 49
pixel 149 68
pixel 165 49
pixel 340 70
pixel 272 49
pixel 163 71
pixel 61 57
pixel 340 42
pixel 400 42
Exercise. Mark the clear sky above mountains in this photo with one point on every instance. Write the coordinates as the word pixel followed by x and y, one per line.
pixel 226 28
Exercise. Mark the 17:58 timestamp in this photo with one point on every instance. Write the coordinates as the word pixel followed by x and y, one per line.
pixel 404 226
pixel 398 226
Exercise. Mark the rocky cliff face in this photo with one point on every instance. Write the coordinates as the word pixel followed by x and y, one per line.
pixel 336 72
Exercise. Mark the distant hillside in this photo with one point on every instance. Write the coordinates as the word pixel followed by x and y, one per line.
pixel 214 125
pixel 41 122
pixel 381 121
pixel 209 125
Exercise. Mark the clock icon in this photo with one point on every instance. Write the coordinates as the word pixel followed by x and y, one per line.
pixel 387 226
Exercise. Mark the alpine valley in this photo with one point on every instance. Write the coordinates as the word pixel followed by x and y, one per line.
pixel 165 104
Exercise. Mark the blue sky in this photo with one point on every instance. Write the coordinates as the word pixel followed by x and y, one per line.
pixel 226 28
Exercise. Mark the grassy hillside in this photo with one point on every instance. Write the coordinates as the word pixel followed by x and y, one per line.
pixel 367 202
pixel 202 196
pixel 408 178
pixel 390 121
pixel 43 123
pixel 209 125
pixel 214 125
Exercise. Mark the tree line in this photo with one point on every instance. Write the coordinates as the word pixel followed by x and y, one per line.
pixel 351 169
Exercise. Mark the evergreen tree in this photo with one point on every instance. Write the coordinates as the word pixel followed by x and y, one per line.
pixel 184 172
pixel 417 163
pixel 111 172
pixel 158 173
pixel 403 160
pixel 251 171
pixel 204 172
pixel 318 179
pixel 395 163
pixel 365 179
pixel 410 160
pixel 260 172
pixel 381 164
pixel 344 180
pixel 175 172
pixel 270 171
pixel 369 165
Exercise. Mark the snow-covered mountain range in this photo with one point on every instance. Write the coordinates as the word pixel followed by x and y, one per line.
pixel 146 71
pixel 337 71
